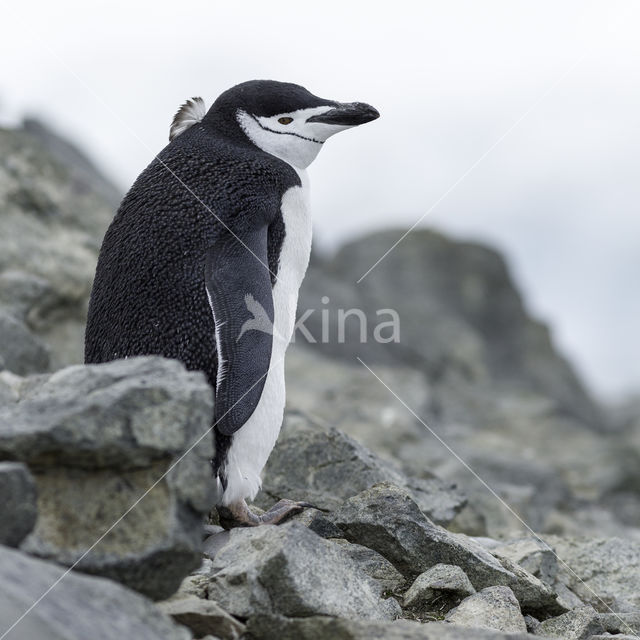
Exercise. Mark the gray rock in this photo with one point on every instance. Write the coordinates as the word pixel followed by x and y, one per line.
pixel 269 627
pixel 18 499
pixel 532 623
pixel 601 572
pixel 123 414
pixel 14 387
pixel 373 564
pixel 386 519
pixel 528 589
pixel 291 571
pixel 119 492
pixel 491 608
pixel 82 171
pixel 213 543
pixel 532 554
pixel 203 617
pixel 54 212
pixel 619 623
pixel 20 351
pixel 445 583
pixel 195 584
pixel 579 624
pixel 76 607
pixel 566 597
pixel 325 468
pixel 22 294
pixel 81 524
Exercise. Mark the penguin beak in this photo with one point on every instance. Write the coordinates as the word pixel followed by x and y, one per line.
pixel 348 114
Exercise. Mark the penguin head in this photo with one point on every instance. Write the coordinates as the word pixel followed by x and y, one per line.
pixel 286 120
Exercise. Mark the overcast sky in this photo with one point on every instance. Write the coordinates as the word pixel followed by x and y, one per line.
pixel 558 193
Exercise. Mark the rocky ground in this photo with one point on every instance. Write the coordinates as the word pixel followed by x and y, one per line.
pixel 468 486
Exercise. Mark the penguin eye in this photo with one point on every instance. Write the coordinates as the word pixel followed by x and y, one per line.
pixel 285 120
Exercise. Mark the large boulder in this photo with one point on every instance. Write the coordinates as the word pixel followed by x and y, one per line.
pixel 124 414
pixel 291 571
pixel 326 467
pixel 120 456
pixel 43 600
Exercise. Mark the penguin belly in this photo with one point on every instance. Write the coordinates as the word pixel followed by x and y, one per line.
pixel 252 444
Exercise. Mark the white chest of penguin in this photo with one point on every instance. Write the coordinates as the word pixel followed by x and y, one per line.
pixel 293 260
pixel 253 442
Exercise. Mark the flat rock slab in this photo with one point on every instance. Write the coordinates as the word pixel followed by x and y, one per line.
pixel 492 608
pixel 387 519
pixel 322 628
pixel 290 570
pixel 18 500
pixel 76 608
pixel 122 414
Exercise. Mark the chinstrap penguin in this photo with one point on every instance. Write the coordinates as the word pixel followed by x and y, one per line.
pixel 204 259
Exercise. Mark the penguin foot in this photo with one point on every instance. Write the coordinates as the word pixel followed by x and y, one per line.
pixel 239 514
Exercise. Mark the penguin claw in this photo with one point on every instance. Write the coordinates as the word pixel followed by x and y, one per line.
pixel 308 505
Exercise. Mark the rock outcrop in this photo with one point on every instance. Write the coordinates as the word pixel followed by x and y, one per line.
pixel 119 453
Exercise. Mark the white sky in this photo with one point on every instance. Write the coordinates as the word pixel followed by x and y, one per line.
pixel 559 194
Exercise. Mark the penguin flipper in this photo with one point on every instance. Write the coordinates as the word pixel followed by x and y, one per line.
pixel 237 279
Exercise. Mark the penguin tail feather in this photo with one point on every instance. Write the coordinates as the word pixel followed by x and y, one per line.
pixel 190 113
